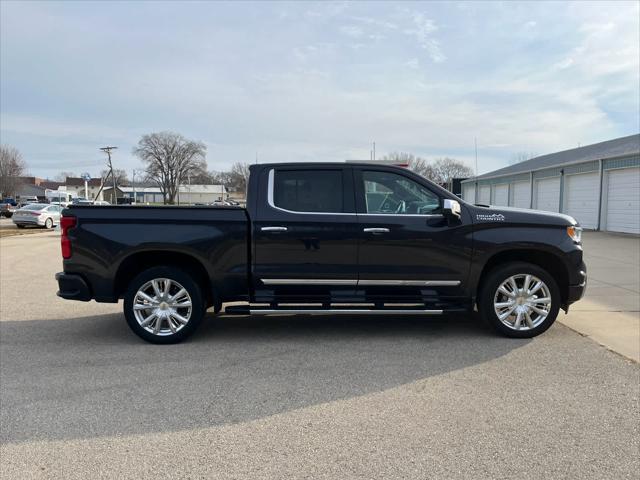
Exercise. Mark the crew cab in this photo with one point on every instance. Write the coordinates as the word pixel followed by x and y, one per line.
pixel 328 239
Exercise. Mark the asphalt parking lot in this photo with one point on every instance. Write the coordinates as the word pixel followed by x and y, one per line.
pixel 300 397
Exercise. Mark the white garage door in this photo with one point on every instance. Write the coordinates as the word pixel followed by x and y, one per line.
pixel 581 198
pixel 469 193
pixel 547 194
pixel 520 193
pixel 501 195
pixel 484 195
pixel 623 201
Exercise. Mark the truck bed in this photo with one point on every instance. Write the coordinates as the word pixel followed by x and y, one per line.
pixel 112 242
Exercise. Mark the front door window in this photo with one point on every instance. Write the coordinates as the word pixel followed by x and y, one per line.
pixel 391 193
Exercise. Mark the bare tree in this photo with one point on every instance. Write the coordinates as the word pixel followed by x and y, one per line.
pixel 169 159
pixel 417 164
pixel 446 169
pixel 119 173
pixel 203 178
pixel 12 166
pixel 237 178
pixel 521 157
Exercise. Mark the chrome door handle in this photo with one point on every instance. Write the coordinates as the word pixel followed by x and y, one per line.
pixel 376 231
pixel 274 229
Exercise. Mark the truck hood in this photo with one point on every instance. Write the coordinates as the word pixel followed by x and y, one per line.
pixel 495 214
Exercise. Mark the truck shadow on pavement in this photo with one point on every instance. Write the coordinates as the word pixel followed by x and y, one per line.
pixel 91 377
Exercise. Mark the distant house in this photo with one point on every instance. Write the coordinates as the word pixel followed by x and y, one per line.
pixel 76 185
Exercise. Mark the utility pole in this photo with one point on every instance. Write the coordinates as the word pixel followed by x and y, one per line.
pixel 107 150
pixel 133 182
pixel 374 151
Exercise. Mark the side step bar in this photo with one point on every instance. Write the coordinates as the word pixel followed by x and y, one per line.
pixel 248 310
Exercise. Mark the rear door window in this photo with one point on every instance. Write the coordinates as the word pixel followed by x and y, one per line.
pixel 316 191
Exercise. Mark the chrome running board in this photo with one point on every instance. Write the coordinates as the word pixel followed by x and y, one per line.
pixel 332 311
pixel 248 310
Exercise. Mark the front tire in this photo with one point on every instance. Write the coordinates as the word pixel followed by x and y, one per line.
pixel 48 224
pixel 519 300
pixel 163 305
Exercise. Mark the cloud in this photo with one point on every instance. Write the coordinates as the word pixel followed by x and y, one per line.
pixel 316 86
pixel 352 31
pixel 422 30
pixel 57 128
pixel 413 64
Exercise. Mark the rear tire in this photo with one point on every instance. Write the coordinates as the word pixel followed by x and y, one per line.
pixel 164 305
pixel 48 224
pixel 519 300
pixel 19 226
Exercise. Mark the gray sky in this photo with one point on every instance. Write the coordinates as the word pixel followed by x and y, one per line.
pixel 315 81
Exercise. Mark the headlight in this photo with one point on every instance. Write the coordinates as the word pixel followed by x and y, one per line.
pixel 575 233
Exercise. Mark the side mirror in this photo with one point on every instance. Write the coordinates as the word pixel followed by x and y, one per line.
pixel 451 208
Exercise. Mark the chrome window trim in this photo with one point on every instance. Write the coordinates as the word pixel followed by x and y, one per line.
pixel 270 188
pixel 356 282
pixel 401 214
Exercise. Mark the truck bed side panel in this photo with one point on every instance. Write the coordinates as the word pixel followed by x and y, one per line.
pixel 107 236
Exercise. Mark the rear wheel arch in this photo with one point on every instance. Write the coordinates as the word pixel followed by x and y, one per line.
pixel 548 261
pixel 138 262
pixel 170 310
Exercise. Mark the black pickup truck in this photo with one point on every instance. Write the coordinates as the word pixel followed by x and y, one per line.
pixel 324 238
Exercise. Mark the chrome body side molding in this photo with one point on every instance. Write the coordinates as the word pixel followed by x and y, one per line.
pixel 411 283
pixel 355 282
pixel 307 281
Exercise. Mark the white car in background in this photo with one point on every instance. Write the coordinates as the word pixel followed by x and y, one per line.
pixel 37 214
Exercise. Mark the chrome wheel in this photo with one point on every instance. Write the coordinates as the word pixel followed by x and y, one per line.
pixel 162 306
pixel 522 302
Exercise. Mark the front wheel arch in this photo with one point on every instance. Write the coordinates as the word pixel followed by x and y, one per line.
pixel 549 262
pixel 496 277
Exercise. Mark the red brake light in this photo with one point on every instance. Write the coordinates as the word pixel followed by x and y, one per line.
pixel 66 223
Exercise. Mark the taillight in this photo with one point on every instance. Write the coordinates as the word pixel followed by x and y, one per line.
pixel 66 223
